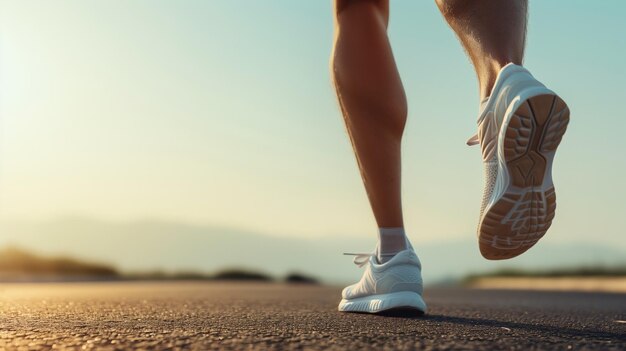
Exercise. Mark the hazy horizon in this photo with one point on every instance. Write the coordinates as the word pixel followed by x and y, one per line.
pixel 150 245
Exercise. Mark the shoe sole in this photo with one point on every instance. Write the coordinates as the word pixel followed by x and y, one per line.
pixel 405 301
pixel 524 212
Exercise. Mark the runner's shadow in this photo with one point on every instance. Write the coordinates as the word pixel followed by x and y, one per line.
pixel 552 330
pixel 402 313
pixel 511 326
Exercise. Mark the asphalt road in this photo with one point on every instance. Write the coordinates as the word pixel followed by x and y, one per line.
pixel 203 316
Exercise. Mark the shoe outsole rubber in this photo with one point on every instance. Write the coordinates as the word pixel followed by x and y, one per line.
pixel 524 211
pixel 403 302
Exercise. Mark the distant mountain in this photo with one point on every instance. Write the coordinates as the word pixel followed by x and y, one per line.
pixel 168 246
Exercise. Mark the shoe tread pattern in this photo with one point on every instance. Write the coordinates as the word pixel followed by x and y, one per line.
pixel 525 212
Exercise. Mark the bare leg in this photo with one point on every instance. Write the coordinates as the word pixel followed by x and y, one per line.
pixel 493 32
pixel 520 127
pixel 372 100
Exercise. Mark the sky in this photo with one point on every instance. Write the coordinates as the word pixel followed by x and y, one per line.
pixel 222 113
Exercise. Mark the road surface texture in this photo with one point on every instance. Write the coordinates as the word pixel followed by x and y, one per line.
pixel 244 316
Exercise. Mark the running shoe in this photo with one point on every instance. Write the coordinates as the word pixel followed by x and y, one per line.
pixel 520 127
pixel 393 285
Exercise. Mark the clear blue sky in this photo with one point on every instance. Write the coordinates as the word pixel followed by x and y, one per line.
pixel 222 113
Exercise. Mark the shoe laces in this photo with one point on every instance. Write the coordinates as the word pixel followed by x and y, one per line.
pixel 360 258
pixel 473 140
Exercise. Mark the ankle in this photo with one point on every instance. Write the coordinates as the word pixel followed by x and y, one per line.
pixel 390 242
pixel 488 72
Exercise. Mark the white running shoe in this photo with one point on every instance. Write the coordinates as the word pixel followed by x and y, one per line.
pixel 519 129
pixel 393 285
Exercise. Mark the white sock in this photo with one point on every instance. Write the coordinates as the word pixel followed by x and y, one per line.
pixel 390 242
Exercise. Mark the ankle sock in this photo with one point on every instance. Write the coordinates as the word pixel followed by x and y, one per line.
pixel 390 242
